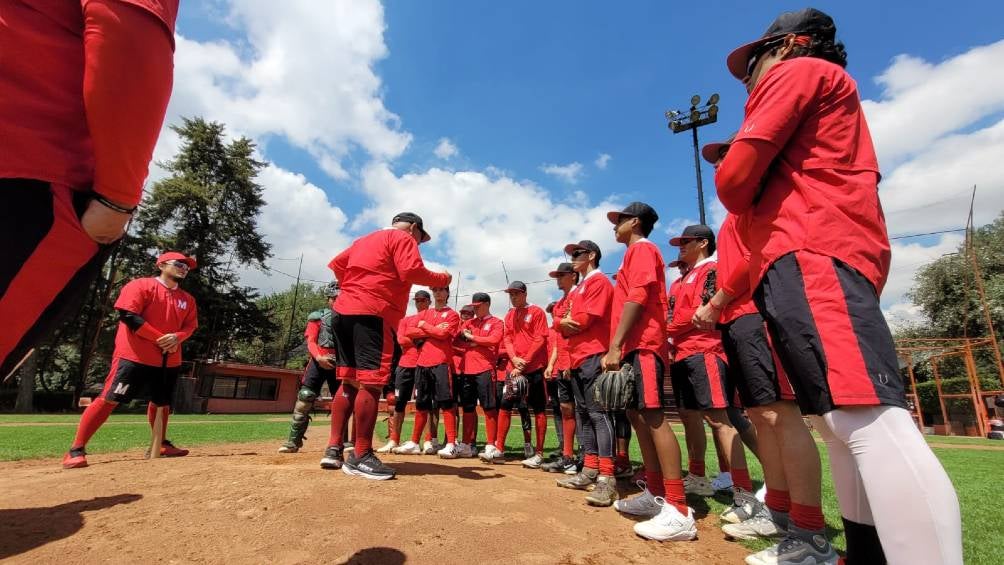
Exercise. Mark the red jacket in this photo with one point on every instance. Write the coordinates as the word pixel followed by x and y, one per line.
pixel 376 273
pixel 164 311
pixel 690 291
pixel 525 336
pixel 482 352
pixel 438 346
pixel 590 303
pixel 409 350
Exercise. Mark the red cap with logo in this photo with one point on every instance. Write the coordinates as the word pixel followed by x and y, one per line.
pixel 175 256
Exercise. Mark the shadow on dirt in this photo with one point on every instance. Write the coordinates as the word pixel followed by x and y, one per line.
pixel 24 529
pixel 406 468
pixel 375 556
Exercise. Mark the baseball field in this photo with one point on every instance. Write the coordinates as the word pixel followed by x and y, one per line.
pixel 234 499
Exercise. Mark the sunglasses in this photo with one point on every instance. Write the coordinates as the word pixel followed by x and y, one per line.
pixel 759 52
pixel 579 253
pixel 178 264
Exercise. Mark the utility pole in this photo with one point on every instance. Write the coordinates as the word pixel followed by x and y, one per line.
pixel 692 119
pixel 292 314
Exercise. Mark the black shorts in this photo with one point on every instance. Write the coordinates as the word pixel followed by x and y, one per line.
pixel 752 368
pixel 48 263
pixel 433 387
pixel 404 387
pixel 564 389
pixel 583 379
pixel 648 378
pixel 479 388
pixel 128 381
pixel 367 348
pixel 314 377
pixel 700 382
pixel 536 397
pixel 829 333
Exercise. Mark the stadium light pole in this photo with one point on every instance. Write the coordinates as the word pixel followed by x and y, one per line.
pixel 692 119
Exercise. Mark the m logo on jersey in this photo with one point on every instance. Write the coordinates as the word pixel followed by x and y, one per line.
pixel 121 388
pixel 486 327
pixel 183 304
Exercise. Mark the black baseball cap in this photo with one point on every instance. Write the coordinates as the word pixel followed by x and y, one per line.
pixel 516 286
pixel 481 298
pixel 585 244
pixel 412 218
pixel 639 210
pixel 712 151
pixel 808 21
pixel 697 231
pixel 423 294
pixel 562 269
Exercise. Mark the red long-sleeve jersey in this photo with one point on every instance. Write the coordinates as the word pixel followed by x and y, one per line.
pixel 525 336
pixel 164 311
pixel 438 346
pixel 690 292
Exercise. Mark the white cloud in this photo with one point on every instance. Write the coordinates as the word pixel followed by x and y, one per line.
pixel 569 173
pixel 907 258
pixel 297 71
pixel 602 161
pixel 445 149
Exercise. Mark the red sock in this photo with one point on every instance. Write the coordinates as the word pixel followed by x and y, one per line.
pixel 654 483
pixel 421 419
pixel 591 461
pixel 568 431
pixel 505 417
pixel 807 517
pixel 696 467
pixel 470 427
pixel 342 406
pixel 450 420
pixel 675 494
pixel 778 500
pixel 741 478
pixel 540 422
pixel 607 466
pixel 91 420
pixel 723 466
pixel 395 432
pixel 151 416
pixel 367 401
pixel 491 426
pixel 622 459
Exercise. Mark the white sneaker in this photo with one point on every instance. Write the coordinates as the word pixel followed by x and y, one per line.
pixel 387 447
pixel 744 506
pixel 796 550
pixel 701 486
pixel 641 505
pixel 527 450
pixel 533 462
pixel 429 448
pixel 723 481
pixel 668 525
pixel 464 450
pixel 448 452
pixel 761 494
pixel 408 448
pixel 491 454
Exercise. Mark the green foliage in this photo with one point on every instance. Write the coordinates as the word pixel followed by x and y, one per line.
pixel 286 335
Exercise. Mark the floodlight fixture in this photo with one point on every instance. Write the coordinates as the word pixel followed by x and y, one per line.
pixel 695 100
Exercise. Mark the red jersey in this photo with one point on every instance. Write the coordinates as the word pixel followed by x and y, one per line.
pixel 733 271
pixel 821 192
pixel 482 352
pixel 526 336
pixel 590 303
pixel 641 279
pixel 560 342
pixel 409 351
pixel 377 271
pixel 312 331
pixel 164 310
pixel 690 291
pixel 671 297
pixel 66 115
pixel 438 346
pixel 460 347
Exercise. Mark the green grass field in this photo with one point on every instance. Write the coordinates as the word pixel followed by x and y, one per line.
pixel 974 472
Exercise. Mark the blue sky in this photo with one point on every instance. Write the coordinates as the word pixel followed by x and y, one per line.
pixel 514 87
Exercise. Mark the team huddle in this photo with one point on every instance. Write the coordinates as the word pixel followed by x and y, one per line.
pixel 773 319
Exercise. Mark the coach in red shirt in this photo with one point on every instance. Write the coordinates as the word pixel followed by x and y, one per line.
pixel 155 318
pixel 803 177
pixel 376 273
pixel 83 91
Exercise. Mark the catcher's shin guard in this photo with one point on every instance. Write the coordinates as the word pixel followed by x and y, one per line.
pixel 301 416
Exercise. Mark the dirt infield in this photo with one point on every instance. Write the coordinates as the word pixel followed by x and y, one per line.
pixel 245 503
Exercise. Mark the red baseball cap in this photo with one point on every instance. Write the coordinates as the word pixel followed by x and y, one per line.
pixel 713 151
pixel 175 256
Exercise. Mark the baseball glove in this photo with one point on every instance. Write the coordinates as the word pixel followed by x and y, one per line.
pixel 516 388
pixel 614 390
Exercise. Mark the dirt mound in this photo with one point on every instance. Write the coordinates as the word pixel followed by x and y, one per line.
pixel 245 503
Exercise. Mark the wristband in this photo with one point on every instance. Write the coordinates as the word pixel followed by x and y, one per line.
pixel 113 206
